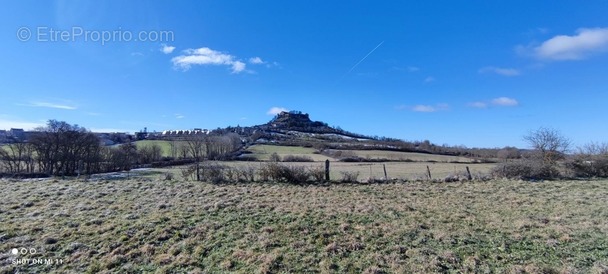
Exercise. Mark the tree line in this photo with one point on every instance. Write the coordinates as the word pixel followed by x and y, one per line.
pixel 60 148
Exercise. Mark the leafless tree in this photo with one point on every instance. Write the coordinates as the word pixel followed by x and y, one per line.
pixel 196 147
pixel 173 146
pixel 129 155
pixel 149 153
pixel 61 148
pixel 507 153
pixel 549 144
pixel 593 149
pixel 17 158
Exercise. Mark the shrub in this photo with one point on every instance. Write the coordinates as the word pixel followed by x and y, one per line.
pixel 295 174
pixel 188 173
pixel 588 168
pixel 526 170
pixel 350 176
pixel 232 174
pixel 248 173
pixel 352 159
pixel 247 158
pixel 274 157
pixel 212 172
pixel 282 173
pixel 297 158
pixel 317 173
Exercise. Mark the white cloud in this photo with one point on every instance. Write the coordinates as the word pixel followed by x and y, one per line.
pixel 500 101
pixel 429 79
pixel 413 69
pixel 478 105
pixel 207 56
pixel 505 102
pixel 276 110
pixel 8 124
pixel 429 108
pixel 576 47
pixel 238 66
pixel 179 116
pixel 256 61
pixel 166 49
pixel 48 105
pixel 500 71
pixel 424 108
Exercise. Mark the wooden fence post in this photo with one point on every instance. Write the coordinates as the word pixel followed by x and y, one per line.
pixel 428 170
pixel 469 174
pixel 385 176
pixel 327 170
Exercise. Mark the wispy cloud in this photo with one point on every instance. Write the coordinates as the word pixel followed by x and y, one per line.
pixel 430 108
pixel 505 102
pixel 500 71
pixel 570 47
pixel 207 56
pixel 429 79
pixel 500 102
pixel 276 110
pixel 536 31
pixel 166 49
pixel 256 61
pixel 478 105
pixel 413 69
pixel 49 105
pixel 179 116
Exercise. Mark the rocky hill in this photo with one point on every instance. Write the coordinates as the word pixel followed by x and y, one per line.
pixel 298 121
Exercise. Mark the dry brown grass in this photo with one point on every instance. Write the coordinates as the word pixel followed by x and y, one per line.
pixel 171 226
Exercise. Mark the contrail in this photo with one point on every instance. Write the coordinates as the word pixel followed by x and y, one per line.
pixel 351 69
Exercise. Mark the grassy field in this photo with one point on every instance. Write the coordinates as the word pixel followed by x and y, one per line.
pixel 401 156
pixel 263 152
pixel 140 226
pixel 394 170
pixel 164 145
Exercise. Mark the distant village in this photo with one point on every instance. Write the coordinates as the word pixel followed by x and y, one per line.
pixel 19 135
pixel 292 120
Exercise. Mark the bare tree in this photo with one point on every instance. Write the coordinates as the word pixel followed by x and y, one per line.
pixel 129 155
pixel 549 144
pixel 173 146
pixel 196 148
pixel 17 158
pixel 61 148
pixel 149 153
pixel 593 149
pixel 507 153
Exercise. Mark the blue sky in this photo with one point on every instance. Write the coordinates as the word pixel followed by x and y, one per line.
pixel 474 73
